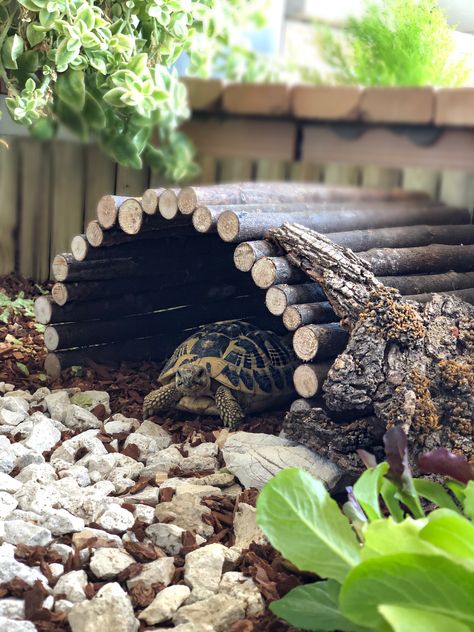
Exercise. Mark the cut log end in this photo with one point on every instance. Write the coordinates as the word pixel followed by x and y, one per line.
pixel 107 211
pixel 43 310
pixel 130 217
pixel 52 365
pixel 244 257
pixel 187 200
pixel 94 233
pixel 202 219
pixel 301 405
pixel 276 301
pixel 168 204
pixel 51 338
pixel 150 201
pixel 228 226
pixel 305 343
pixel 79 247
pixel 292 318
pixel 60 268
pixel 59 293
pixel 309 378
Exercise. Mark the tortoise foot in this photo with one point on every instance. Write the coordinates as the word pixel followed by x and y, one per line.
pixel 163 398
pixel 229 409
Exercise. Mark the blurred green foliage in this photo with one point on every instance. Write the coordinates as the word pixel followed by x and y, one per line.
pixel 394 43
pixel 104 69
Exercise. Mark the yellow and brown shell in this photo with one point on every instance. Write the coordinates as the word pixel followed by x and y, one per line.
pixel 239 356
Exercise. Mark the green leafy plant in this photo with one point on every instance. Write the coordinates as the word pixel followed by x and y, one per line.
pixel 385 562
pixel 104 70
pixel 395 43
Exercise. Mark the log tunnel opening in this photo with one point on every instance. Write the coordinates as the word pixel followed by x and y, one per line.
pixel 151 269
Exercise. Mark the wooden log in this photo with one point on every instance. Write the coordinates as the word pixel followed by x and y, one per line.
pixel 47 310
pixel 97 237
pixel 271 270
pixel 108 208
pixel 296 316
pixel 163 201
pixel 424 259
pixel 248 252
pixel 80 248
pixel 302 404
pixel 279 297
pixel 241 226
pixel 66 268
pixel 68 335
pixel 308 378
pixel 321 341
pixel 205 219
pixel 139 245
pixel 150 348
pixel 150 199
pixel 404 236
pixel 190 198
pixel 466 295
pixel 130 217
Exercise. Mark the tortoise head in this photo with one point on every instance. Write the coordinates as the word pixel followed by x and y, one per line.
pixel 192 379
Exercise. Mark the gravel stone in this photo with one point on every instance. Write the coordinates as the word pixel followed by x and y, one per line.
pixel 219 611
pixel 147 495
pixel 7 456
pixel 163 461
pixel 154 431
pixel 79 418
pixel 203 449
pixel 7 504
pixel 110 609
pixel 12 625
pixel 147 446
pixel 13 410
pixel 116 519
pixel 90 399
pixel 12 608
pixel 62 605
pixel 161 570
pixel 242 588
pixel 20 532
pixel 11 568
pixel 38 473
pixel 62 549
pixel 107 563
pixel 203 570
pixel 118 424
pixel 43 436
pixel 57 404
pixel 61 521
pixel 25 457
pixel 72 585
pixel 168 537
pixel 198 463
pixel 86 440
pixel 78 472
pixel 165 604
pixel 186 512
pixel 79 539
pixel 181 486
pixel 145 513
pixel 56 569
pixel 245 527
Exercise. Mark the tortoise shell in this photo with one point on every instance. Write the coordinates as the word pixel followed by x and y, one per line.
pixel 239 356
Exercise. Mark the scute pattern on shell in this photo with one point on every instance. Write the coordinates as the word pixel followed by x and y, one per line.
pixel 237 355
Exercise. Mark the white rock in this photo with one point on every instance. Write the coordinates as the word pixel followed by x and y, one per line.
pixel 257 458
pixel 156 432
pixel 56 569
pixel 72 585
pixel 120 480
pixel 62 549
pixel 203 449
pixel 164 460
pixel 145 513
pixel 26 516
pixel 19 532
pixel 243 589
pixel 13 410
pixel 107 563
pixel 12 608
pixel 62 605
pixel 80 419
pixel 90 399
pixel 161 570
pixel 116 519
pixel 167 536
pixel 86 440
pixel 12 625
pixel 245 527
pixel 24 456
pixel 7 504
pixel 110 610
pixel 165 604
pixel 198 463
pixel 43 436
pixel 185 511
pixel 219 611
pixel 10 568
pixel 57 404
pixel 221 479
pixel 85 502
pixel 79 472
pixel 48 603
pixel 147 446
pixel 5 387
pixel 147 495
pixel 38 473
pixel 7 456
pixel 203 570
pixel 37 497
pixel 80 538
pixel 181 486
pixel 61 521
pixel 10 418
pixel 102 465
pixel 40 394
pixel 118 424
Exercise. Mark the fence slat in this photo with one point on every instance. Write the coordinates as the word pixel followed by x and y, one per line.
pixel 131 181
pixel 373 176
pixel 269 170
pixel 416 179
pixel 341 174
pixel 9 195
pixel 305 172
pixel 235 170
pixel 456 188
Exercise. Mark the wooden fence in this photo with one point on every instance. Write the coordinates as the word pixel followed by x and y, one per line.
pixel 417 139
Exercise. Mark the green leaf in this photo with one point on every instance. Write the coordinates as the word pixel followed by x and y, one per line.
pixel 314 607
pixel 452 533
pixel 435 493
pixel 426 582
pixel 73 120
pixel 386 537
pixel 94 112
pixel 304 523
pixel 35 33
pixel 12 48
pixel 70 88
pixel 389 495
pixel 410 619
pixel 23 368
pixel 114 97
pixel 468 501
pixel 43 129
pixel 367 489
pixel 67 51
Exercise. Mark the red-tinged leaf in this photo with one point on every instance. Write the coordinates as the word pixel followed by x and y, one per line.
pixel 367 458
pixel 396 451
pixel 442 461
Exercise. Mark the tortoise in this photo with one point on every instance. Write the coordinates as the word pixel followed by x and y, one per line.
pixel 228 369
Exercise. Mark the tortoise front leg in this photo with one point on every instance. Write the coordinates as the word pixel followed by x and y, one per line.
pixel 229 408
pixel 163 398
